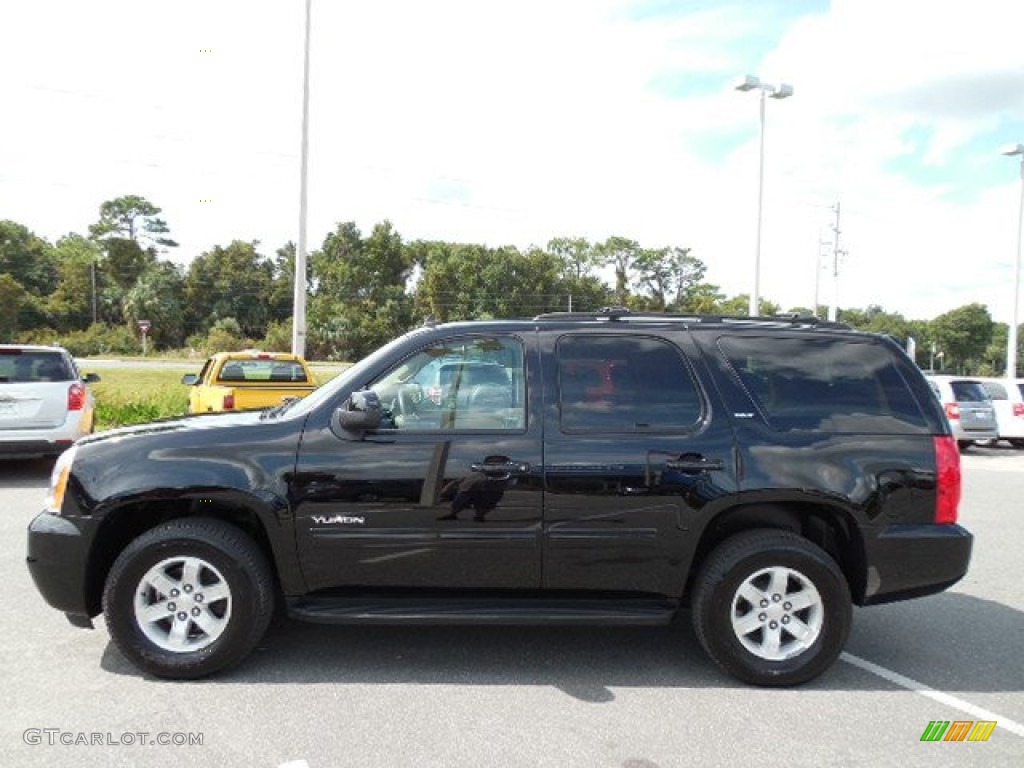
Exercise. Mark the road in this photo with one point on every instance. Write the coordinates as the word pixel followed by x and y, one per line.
pixel 321 696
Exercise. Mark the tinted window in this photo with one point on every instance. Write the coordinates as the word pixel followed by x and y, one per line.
pixel 968 391
pixel 34 366
pixel 464 383
pixel 262 370
pixel 995 390
pixel 625 384
pixel 822 384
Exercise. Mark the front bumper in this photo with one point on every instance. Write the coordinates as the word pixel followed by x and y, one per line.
pixel 57 561
pixel 906 561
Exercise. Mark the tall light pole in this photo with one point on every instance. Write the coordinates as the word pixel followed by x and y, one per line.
pixel 1011 342
pixel 781 91
pixel 299 292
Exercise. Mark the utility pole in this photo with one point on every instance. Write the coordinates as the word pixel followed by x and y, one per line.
pixel 833 312
pixel 817 272
pixel 94 317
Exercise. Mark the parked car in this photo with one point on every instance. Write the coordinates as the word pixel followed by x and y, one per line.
pixel 1008 400
pixel 238 381
pixel 968 408
pixel 766 474
pixel 45 404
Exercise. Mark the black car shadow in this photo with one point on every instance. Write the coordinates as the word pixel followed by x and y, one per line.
pixel 25 473
pixel 953 642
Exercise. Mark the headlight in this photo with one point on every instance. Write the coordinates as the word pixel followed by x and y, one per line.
pixel 59 481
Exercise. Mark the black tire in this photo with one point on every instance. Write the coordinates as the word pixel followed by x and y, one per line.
pixel 224 560
pixel 716 601
pixel 1016 443
pixel 963 445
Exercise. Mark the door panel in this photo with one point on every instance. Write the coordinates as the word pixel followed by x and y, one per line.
pixel 632 457
pixel 446 496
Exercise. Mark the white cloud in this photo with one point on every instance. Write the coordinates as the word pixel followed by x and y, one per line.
pixel 468 121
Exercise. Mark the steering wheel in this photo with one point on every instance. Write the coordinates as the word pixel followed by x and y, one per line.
pixel 408 398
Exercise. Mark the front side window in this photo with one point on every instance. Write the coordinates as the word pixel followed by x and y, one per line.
pixel 625 384
pixel 468 383
pixel 822 384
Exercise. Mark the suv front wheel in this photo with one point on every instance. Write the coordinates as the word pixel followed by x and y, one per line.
pixel 188 598
pixel 771 608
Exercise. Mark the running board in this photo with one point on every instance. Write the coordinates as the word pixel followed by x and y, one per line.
pixel 476 610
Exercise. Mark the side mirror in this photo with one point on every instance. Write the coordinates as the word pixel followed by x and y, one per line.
pixel 190 379
pixel 91 378
pixel 361 413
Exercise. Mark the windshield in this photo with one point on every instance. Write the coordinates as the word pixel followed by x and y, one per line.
pixel 351 378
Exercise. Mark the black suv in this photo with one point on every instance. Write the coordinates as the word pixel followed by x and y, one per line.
pixel 611 468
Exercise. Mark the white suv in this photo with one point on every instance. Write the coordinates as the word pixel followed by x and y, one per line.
pixel 1008 400
pixel 44 403
pixel 968 408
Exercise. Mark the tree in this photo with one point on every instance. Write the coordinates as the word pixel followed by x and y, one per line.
pixel 131 218
pixel 12 298
pixel 359 298
pixel 70 305
pixel 739 306
pixel 233 282
pixel 463 281
pixel 670 274
pixel 577 254
pixel 27 258
pixel 619 253
pixel 159 297
pixel 963 334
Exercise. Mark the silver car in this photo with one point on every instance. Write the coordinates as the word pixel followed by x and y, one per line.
pixel 44 402
pixel 968 408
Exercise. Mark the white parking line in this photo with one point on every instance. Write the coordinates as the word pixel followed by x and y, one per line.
pixel 910 684
pixel 294 764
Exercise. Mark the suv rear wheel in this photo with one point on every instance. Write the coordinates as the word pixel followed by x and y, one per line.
pixel 771 608
pixel 188 598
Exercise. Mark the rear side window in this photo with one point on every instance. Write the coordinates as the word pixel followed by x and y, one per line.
pixel 821 384
pixel 625 384
pixel 968 391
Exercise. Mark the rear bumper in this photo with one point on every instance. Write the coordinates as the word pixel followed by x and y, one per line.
pixel 57 562
pixel 906 561
pixel 45 441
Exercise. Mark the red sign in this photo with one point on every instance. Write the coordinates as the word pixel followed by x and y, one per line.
pixel 144 326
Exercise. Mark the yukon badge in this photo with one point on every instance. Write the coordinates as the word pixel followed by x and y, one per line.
pixel 339 520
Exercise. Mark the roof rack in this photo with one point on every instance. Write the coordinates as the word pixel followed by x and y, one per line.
pixel 618 314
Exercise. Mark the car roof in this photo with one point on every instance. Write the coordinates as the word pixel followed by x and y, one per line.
pixel 34 347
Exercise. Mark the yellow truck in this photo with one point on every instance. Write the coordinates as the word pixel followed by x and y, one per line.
pixel 237 381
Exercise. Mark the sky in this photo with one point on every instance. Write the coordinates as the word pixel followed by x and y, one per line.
pixel 510 123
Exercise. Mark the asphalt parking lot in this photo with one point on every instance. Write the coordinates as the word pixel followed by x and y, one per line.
pixel 321 696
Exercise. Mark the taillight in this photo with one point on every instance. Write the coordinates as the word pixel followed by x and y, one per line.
pixel 953 410
pixel 1018 409
pixel 229 402
pixel 76 397
pixel 947 479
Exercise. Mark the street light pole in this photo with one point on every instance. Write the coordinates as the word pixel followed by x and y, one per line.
pixel 1011 342
pixel 782 91
pixel 299 292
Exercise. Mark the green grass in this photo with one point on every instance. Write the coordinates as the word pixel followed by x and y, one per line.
pixel 137 395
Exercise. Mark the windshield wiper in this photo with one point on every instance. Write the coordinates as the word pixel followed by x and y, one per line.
pixel 275 411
